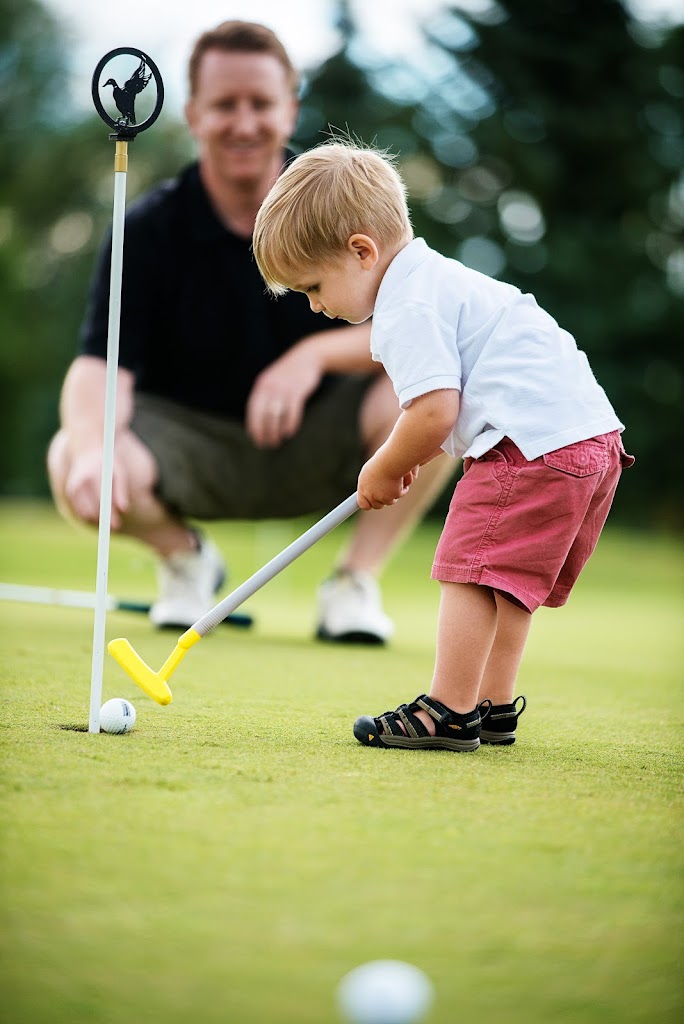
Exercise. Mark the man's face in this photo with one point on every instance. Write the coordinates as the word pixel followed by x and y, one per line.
pixel 242 115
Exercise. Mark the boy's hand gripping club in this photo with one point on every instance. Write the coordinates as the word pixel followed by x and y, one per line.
pixel 155 684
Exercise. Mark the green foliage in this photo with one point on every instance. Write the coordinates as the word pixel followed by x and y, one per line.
pixel 238 852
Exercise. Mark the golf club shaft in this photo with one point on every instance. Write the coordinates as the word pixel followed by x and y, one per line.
pixel 338 515
pixel 86 599
pixel 64 598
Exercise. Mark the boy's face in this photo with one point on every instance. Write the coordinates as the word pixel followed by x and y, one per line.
pixel 345 289
pixel 241 115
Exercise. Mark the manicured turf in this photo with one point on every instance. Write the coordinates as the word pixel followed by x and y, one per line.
pixel 236 854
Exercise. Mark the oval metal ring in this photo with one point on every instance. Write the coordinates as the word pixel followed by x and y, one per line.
pixel 125 126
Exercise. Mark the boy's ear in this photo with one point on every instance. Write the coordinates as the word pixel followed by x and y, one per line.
pixel 364 249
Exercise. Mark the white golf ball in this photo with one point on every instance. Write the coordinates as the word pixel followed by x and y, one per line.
pixel 385 992
pixel 117 715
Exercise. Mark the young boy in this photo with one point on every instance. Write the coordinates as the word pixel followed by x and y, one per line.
pixel 481 372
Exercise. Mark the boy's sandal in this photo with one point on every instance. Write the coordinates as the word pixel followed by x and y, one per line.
pixel 501 723
pixel 452 730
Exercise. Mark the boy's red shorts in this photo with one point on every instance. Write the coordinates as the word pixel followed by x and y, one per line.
pixel 527 529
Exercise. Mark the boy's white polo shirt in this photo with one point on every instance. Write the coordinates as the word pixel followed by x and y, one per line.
pixel 438 324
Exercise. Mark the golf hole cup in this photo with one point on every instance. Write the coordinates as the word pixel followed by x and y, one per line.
pixel 117 716
pixel 385 992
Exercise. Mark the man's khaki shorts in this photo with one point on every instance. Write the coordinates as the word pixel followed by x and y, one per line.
pixel 210 469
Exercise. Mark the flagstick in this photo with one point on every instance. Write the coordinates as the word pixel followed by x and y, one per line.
pixel 104 528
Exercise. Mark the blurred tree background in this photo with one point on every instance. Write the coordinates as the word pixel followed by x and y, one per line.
pixel 56 192
pixel 542 144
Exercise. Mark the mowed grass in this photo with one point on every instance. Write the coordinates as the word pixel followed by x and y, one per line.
pixel 236 854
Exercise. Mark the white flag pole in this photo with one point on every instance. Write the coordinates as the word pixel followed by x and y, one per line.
pixel 109 426
pixel 125 128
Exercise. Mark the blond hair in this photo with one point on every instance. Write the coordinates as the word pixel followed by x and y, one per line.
pixel 323 198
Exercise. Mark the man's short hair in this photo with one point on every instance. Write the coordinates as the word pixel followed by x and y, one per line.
pixel 323 198
pixel 240 37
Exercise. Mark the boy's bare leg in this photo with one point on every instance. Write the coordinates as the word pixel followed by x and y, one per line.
pixel 466 627
pixel 480 642
pixel 501 671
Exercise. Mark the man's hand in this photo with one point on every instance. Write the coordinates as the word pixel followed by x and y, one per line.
pixel 82 403
pixel 376 488
pixel 276 405
pixel 83 484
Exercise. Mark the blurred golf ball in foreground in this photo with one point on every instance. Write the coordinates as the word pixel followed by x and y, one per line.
pixel 117 715
pixel 385 992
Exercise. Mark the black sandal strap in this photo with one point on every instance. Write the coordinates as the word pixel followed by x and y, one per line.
pixel 414 727
pixel 444 716
pixel 515 705
pixel 440 712
pixel 509 711
pixel 403 721
pixel 388 722
pixel 484 707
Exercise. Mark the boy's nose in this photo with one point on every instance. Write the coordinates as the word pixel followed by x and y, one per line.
pixel 316 306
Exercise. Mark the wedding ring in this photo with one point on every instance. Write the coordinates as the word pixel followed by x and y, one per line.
pixel 276 408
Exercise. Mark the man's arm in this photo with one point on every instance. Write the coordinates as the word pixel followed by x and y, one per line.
pixel 276 403
pixel 82 416
pixel 82 400
pixel 346 350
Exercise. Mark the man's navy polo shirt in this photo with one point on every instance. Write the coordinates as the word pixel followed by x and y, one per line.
pixel 197 324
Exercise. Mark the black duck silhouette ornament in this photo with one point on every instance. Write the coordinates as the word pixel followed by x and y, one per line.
pixel 125 126
pixel 125 98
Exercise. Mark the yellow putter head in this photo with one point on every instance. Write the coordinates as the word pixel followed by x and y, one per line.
pixel 153 683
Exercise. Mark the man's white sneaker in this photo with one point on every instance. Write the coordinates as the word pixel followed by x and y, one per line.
pixel 350 610
pixel 188 582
